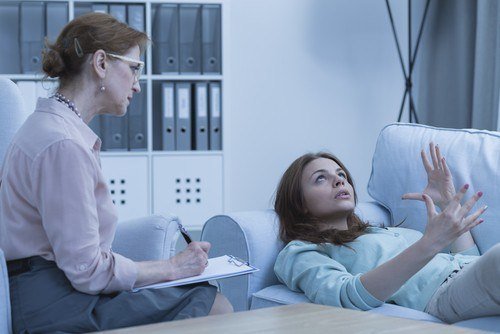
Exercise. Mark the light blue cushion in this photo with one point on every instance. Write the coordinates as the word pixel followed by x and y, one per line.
pixel 472 155
pixel 11 115
pixel 5 318
pixel 276 295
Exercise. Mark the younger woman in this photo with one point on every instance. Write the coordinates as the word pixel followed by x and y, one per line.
pixel 337 259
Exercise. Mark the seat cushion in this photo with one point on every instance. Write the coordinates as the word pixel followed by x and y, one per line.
pixel 276 295
pixel 491 324
pixel 472 155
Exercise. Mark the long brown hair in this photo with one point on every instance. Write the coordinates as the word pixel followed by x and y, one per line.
pixel 85 35
pixel 295 222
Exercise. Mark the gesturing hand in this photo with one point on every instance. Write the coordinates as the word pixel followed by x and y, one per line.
pixel 191 261
pixel 444 228
pixel 440 186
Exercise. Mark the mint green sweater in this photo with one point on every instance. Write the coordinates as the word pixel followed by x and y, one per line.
pixel 330 274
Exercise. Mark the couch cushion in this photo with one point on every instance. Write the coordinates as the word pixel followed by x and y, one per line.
pixel 491 324
pixel 276 295
pixel 5 318
pixel 472 155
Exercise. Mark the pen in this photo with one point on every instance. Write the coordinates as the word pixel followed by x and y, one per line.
pixel 184 233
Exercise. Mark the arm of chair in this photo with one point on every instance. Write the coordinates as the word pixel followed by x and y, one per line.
pixel 253 237
pixel 149 238
pixel 374 213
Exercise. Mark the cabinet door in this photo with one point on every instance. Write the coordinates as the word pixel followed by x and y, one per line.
pixel 128 184
pixel 189 187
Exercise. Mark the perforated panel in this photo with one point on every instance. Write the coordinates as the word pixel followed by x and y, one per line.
pixel 127 179
pixel 189 187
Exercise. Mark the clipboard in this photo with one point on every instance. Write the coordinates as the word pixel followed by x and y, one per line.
pixel 218 267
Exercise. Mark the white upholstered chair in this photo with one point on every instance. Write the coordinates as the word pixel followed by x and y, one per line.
pixel 150 238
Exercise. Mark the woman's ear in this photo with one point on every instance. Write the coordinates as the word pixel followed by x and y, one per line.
pixel 98 63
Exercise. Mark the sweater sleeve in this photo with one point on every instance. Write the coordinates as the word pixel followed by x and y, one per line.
pixel 304 267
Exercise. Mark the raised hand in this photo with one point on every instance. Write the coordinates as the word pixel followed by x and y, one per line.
pixel 440 186
pixel 444 228
pixel 191 261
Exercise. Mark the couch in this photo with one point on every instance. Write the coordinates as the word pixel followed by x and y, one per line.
pixel 473 157
pixel 150 238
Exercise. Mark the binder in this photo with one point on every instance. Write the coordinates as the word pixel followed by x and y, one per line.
pixel 190 38
pixel 166 39
pixel 137 121
pixel 56 16
pixel 201 116
pixel 95 125
pixel 100 8
pixel 28 92
pixel 168 116
pixel 211 38
pixel 135 17
pixel 183 116
pixel 9 27
pixel 32 32
pixel 215 136
pixel 114 131
pixel 119 12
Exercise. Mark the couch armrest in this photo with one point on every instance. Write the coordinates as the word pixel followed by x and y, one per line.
pixel 5 316
pixel 148 238
pixel 373 213
pixel 253 237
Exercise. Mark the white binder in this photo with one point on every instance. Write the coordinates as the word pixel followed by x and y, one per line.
pixel 215 137
pixel 201 116
pixel 183 116
pixel 168 116
pixel 135 17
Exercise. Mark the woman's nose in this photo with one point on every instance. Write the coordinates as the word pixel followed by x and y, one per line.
pixel 338 181
pixel 136 87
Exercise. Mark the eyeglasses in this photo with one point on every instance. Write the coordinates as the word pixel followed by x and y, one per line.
pixel 136 69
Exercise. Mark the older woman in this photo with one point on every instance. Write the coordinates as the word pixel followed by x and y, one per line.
pixel 57 218
pixel 337 259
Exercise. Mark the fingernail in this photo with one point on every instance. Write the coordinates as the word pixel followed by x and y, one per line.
pixel 466 186
pixel 480 193
pixel 485 207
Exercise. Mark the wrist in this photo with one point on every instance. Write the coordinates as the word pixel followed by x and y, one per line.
pixel 169 270
pixel 427 247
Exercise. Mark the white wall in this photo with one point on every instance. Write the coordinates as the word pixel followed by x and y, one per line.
pixel 307 75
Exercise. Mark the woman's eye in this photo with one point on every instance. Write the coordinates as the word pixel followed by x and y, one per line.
pixel 343 175
pixel 320 178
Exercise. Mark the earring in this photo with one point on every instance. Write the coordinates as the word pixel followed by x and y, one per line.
pixel 102 88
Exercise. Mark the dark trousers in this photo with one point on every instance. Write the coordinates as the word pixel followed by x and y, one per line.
pixel 43 301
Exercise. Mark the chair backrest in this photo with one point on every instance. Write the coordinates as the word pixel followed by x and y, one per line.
pixel 11 113
pixel 11 118
pixel 472 155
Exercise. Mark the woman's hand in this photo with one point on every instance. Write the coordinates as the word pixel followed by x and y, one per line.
pixel 444 228
pixel 440 186
pixel 190 262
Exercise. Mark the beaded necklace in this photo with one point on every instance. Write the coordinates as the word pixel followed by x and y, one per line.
pixel 67 102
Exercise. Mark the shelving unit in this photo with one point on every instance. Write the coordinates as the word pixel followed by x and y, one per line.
pixel 189 184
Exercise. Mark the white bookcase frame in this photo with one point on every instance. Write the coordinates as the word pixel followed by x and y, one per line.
pixel 193 222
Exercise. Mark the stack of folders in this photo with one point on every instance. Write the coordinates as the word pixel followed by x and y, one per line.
pixel 191 116
pixel 187 38
pixel 37 20
pixel 125 133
